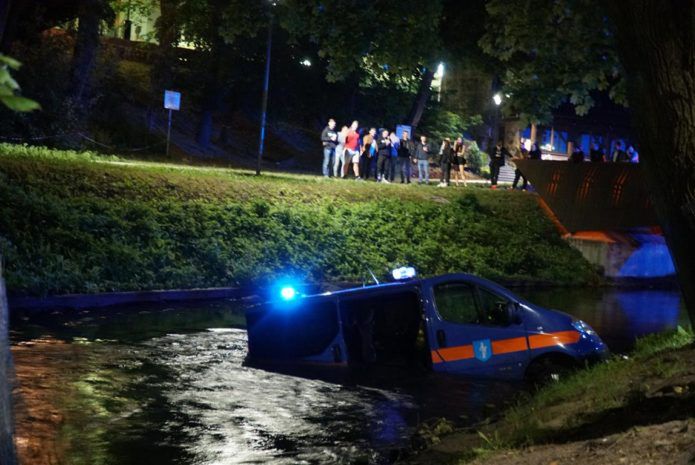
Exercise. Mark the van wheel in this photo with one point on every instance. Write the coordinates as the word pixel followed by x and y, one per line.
pixel 547 370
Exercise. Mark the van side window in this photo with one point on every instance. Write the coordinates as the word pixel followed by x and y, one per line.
pixel 494 308
pixel 456 303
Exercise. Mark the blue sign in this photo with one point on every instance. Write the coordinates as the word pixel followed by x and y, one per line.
pixel 172 100
pixel 482 350
pixel 401 128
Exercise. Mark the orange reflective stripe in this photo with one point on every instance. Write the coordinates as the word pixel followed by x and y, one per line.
pixel 436 358
pixel 538 341
pixel 452 354
pixel 507 346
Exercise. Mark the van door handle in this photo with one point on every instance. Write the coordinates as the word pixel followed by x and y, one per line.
pixel 441 338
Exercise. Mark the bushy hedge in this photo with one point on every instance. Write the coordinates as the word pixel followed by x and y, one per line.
pixel 72 223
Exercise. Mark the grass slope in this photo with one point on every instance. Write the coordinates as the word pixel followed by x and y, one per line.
pixel 565 422
pixel 77 222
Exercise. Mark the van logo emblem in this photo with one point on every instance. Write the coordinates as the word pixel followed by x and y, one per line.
pixel 482 350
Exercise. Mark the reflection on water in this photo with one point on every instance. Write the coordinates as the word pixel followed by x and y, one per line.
pixel 618 315
pixel 162 386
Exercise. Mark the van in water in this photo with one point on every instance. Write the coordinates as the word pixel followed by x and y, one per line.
pixel 457 323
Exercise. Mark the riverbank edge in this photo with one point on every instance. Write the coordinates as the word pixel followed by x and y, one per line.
pixel 36 304
pixel 571 420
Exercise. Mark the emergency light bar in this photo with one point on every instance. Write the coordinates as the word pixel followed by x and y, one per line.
pixel 404 272
pixel 288 293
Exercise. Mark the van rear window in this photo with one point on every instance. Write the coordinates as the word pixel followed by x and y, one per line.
pixel 292 331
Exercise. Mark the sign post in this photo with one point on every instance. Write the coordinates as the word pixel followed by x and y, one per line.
pixel 172 101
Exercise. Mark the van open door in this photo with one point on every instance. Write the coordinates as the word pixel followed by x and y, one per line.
pixel 384 328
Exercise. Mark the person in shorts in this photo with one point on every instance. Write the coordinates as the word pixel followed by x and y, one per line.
pixel 352 148
pixel 458 162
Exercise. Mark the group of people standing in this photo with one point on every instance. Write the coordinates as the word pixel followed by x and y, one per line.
pixel 383 155
pixel 598 155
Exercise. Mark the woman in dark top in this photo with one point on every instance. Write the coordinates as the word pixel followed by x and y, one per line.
pixel 447 154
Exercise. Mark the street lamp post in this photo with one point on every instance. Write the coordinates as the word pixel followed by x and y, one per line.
pixel 264 100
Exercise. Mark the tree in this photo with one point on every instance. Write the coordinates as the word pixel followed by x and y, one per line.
pixel 390 39
pixel 551 52
pixel 215 26
pixel 559 50
pixel 656 45
pixel 90 15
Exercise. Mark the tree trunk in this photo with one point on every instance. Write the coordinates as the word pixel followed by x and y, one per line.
pixel 8 454
pixel 213 96
pixel 12 11
pixel 204 130
pixel 421 98
pixel 5 6
pixel 84 57
pixel 656 43
pixel 213 93
pixel 168 37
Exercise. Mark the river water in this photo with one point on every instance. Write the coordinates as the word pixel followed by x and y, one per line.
pixel 146 385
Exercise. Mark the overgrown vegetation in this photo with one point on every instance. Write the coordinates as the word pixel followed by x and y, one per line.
pixel 78 222
pixel 592 399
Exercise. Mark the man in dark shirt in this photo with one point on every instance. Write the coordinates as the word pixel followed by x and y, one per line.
pixel 619 154
pixel 577 155
pixel 422 154
pixel 596 154
pixel 406 150
pixel 329 139
pixel 383 163
pixel 497 161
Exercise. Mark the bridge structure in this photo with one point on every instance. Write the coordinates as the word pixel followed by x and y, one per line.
pixel 604 210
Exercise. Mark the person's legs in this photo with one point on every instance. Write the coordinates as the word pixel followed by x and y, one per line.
pixel 347 161
pixel 408 170
pixel 448 173
pixel 494 173
pixel 462 170
pixel 337 160
pixel 371 167
pixel 365 170
pixel 517 175
pixel 336 164
pixel 524 186
pixel 327 154
pixel 421 170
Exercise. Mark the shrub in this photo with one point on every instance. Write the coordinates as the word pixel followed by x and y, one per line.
pixel 73 222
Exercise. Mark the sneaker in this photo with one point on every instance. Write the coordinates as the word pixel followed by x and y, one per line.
pixel 386 181
pixel 493 187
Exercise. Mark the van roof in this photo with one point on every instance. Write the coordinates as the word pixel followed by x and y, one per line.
pixel 371 289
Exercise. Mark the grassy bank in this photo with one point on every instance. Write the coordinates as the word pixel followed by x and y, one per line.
pixel 77 222
pixel 638 394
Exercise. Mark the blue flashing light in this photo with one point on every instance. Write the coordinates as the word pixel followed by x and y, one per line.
pixel 404 272
pixel 288 293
